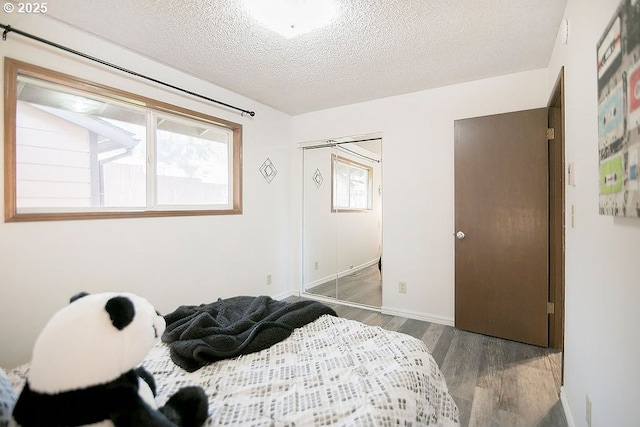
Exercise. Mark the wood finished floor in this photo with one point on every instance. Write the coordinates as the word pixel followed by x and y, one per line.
pixel 494 382
pixel 362 287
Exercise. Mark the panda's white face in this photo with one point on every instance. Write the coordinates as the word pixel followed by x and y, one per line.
pixel 84 344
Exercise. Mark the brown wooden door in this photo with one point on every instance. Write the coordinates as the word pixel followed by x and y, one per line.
pixel 501 206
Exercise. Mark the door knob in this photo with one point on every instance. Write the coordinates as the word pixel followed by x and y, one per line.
pixel 460 235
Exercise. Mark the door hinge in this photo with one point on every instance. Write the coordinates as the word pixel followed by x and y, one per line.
pixel 551 134
pixel 551 308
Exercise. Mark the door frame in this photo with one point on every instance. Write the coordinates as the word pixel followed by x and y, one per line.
pixel 502 267
pixel 557 213
pixel 556 119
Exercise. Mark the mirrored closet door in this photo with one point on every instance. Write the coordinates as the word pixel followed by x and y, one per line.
pixel 342 238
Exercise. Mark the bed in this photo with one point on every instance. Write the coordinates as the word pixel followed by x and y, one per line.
pixel 332 371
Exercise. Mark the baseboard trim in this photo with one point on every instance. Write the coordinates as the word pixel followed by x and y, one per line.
pixel 338 275
pixel 567 409
pixel 357 268
pixel 286 295
pixel 433 318
pixel 320 281
pixel 441 320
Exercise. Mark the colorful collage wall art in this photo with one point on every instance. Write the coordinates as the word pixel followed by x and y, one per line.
pixel 619 112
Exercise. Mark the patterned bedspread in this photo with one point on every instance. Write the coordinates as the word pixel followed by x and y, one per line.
pixel 332 371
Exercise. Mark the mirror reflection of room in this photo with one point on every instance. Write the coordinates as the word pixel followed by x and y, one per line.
pixel 343 221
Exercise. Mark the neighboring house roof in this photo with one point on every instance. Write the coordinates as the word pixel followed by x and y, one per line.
pixel 113 137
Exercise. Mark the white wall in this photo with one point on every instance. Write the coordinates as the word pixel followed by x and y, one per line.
pixel 171 261
pixel 602 350
pixel 418 211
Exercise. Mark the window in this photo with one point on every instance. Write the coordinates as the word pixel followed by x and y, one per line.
pixel 352 185
pixel 75 149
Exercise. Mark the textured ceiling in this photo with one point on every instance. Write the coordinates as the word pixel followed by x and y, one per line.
pixel 375 49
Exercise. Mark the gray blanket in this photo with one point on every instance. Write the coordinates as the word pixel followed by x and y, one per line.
pixel 203 334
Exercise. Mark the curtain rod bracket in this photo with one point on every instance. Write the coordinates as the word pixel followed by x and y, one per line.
pixel 8 29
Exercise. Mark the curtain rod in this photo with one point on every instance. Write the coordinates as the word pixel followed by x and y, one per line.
pixel 9 29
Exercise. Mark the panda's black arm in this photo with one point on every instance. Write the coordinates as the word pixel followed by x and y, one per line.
pixel 147 377
pixel 131 411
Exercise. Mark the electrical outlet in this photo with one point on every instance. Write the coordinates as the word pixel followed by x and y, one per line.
pixel 316 265
pixel 402 287
pixel 588 411
pixel 268 279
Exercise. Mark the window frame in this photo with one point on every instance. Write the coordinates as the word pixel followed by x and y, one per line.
pixel 337 158
pixel 13 68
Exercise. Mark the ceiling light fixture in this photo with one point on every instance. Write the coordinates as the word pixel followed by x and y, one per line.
pixel 290 18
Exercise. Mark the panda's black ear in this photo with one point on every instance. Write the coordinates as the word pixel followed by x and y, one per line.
pixel 121 311
pixel 78 296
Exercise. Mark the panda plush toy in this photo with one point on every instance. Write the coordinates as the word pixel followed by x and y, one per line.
pixel 85 369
